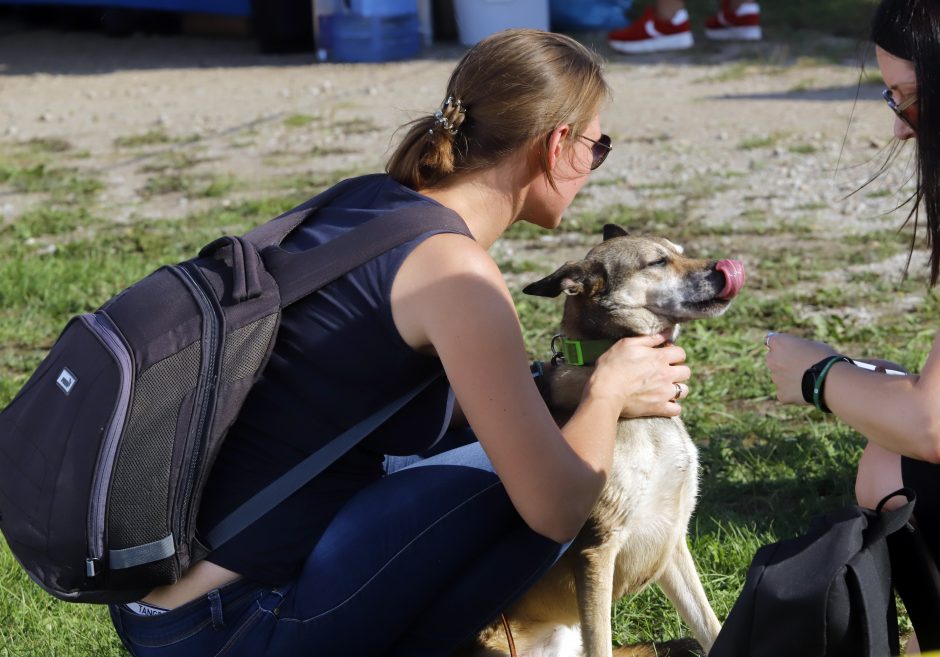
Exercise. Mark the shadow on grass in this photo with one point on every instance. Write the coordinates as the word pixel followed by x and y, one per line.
pixel 775 484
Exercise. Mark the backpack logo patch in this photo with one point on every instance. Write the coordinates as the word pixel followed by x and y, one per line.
pixel 66 380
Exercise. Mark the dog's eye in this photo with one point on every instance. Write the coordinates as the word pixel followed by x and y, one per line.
pixel 658 263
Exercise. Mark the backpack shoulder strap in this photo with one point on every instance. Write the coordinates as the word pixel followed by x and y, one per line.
pixel 292 480
pixel 301 273
pixel 868 572
pixel 273 232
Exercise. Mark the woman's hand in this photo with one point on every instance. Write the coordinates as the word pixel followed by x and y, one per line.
pixel 788 357
pixel 641 377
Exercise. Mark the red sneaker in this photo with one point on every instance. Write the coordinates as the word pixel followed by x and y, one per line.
pixel 742 24
pixel 650 33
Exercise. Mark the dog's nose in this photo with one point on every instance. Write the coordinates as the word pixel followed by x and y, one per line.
pixel 734 277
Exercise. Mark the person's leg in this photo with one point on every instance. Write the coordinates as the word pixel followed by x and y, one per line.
pixel 879 473
pixel 667 9
pixel 414 564
pixel 202 627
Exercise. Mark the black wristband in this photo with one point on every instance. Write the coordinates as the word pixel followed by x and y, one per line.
pixel 814 378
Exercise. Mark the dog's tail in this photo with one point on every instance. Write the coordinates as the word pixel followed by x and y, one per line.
pixel 675 648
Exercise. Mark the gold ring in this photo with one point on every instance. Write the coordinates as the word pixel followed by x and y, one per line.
pixel 678 393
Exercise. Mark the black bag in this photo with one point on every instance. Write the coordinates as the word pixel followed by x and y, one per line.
pixel 106 449
pixel 829 592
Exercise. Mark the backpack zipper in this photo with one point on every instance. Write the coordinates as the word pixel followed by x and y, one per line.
pixel 204 407
pixel 102 328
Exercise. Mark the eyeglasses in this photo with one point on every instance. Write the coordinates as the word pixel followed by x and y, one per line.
pixel 600 149
pixel 906 111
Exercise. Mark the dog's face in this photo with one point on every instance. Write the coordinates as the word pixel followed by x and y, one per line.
pixel 631 285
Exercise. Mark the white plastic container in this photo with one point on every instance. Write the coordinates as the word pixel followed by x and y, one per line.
pixel 477 19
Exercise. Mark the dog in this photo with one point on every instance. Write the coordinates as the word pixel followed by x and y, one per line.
pixel 636 534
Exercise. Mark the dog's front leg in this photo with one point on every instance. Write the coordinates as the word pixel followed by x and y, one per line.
pixel 681 584
pixel 594 580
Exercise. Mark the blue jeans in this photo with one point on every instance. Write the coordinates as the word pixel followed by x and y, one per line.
pixel 413 565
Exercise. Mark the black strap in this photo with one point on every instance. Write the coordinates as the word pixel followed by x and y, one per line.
pixel 273 232
pixel 301 273
pixel 886 523
pixel 917 581
pixel 871 586
pixel 292 480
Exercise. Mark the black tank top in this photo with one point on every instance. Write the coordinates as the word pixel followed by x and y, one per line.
pixel 337 358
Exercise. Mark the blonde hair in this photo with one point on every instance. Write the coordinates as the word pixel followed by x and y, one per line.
pixel 514 87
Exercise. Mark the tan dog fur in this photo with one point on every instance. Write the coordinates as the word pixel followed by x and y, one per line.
pixel 636 533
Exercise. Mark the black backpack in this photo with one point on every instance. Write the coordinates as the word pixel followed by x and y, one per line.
pixel 829 592
pixel 106 449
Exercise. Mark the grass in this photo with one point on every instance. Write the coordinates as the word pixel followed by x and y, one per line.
pixel 300 120
pixel 192 186
pixel 150 138
pixel 63 183
pixel 760 141
pixel 766 468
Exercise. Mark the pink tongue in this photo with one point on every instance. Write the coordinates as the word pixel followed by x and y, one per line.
pixel 734 277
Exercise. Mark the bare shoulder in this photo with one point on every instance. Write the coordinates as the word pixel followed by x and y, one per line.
pixel 451 253
pixel 447 274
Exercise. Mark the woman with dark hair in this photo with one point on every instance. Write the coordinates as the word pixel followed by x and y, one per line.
pixel 379 556
pixel 899 413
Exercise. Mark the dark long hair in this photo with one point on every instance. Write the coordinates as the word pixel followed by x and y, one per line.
pixel 910 29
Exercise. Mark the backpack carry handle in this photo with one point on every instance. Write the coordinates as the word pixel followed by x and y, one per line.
pixel 886 523
pixel 246 281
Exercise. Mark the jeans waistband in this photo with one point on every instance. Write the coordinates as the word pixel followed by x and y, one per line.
pixel 210 609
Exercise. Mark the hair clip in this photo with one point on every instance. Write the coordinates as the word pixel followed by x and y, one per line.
pixel 454 108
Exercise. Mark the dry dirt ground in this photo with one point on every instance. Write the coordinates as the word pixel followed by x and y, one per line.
pixel 721 134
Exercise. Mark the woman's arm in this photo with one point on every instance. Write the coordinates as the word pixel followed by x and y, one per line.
pixel 450 297
pixel 899 413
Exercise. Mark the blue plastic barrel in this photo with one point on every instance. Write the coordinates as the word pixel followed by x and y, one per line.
pixel 384 7
pixel 358 38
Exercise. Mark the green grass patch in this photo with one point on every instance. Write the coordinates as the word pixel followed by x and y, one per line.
pixel 166 183
pixel 322 150
pixel 759 141
pixel 189 185
pixel 48 220
pixel 355 126
pixel 300 120
pixel 56 145
pixel 32 623
pixel 803 149
pixel 63 183
pixel 176 160
pixel 150 138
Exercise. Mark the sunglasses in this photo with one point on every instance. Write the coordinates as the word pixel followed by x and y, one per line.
pixel 600 149
pixel 906 111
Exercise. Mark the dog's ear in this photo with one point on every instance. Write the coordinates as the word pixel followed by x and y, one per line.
pixel 586 277
pixel 613 230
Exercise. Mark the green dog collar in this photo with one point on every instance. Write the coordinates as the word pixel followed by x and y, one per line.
pixel 579 352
